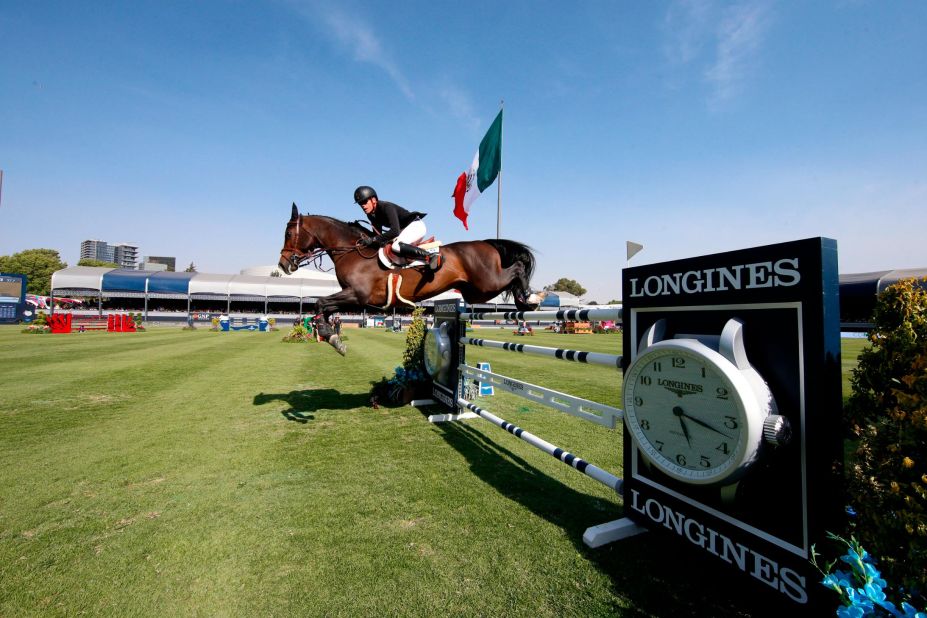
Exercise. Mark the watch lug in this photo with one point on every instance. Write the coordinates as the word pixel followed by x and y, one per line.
pixel 731 344
pixel 729 492
pixel 652 335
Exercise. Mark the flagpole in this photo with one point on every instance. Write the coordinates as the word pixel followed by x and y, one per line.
pixel 499 180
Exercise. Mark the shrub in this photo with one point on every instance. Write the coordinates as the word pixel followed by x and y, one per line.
pixel 413 358
pixel 887 413
pixel 409 380
pixel 297 334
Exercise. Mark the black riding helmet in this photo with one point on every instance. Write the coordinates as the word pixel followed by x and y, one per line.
pixel 363 193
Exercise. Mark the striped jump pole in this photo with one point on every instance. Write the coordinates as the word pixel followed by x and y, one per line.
pixel 567 315
pixel 577 356
pixel 594 472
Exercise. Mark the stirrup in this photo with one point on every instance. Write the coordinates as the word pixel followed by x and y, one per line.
pixel 433 261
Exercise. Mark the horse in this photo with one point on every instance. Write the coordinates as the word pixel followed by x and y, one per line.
pixel 479 269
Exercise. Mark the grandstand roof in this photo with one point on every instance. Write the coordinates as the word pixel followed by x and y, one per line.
pixel 858 291
pixel 117 282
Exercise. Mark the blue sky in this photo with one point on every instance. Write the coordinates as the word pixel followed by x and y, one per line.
pixel 188 128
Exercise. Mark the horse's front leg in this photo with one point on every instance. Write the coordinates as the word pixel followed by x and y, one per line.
pixel 328 306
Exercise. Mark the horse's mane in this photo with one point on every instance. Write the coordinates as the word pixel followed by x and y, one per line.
pixel 353 228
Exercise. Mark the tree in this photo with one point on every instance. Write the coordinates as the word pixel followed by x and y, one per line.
pixel 96 263
pixel 37 264
pixel 566 285
pixel 191 268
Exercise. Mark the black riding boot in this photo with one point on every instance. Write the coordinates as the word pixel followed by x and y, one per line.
pixel 431 259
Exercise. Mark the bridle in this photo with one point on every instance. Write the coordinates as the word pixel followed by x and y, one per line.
pixel 299 258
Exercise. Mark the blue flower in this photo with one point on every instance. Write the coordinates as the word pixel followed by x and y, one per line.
pixel 874 576
pixel 910 611
pixel 874 593
pixel 859 598
pixel 850 612
pixel 850 511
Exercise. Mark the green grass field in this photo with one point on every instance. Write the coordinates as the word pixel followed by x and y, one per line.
pixel 198 473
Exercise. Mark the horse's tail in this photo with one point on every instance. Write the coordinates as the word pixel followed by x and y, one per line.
pixel 511 252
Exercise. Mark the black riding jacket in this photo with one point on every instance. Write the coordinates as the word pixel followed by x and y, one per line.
pixel 388 219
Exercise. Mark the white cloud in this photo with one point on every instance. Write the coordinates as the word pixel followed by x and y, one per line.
pixel 353 35
pixel 686 24
pixel 739 38
pixel 716 43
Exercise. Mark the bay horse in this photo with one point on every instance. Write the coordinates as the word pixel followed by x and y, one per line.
pixel 479 269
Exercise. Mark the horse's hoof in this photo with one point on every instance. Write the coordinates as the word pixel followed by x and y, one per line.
pixel 336 343
pixel 535 298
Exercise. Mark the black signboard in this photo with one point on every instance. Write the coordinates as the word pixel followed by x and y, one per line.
pixel 12 297
pixel 781 304
pixel 444 354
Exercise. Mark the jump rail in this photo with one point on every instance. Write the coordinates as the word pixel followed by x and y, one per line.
pixel 455 372
pixel 594 472
pixel 567 315
pixel 577 356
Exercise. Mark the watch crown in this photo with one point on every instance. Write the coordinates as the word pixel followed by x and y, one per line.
pixel 777 430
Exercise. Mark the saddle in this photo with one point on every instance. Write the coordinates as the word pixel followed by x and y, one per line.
pixel 391 260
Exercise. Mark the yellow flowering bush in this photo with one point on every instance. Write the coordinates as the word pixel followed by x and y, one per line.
pixel 887 413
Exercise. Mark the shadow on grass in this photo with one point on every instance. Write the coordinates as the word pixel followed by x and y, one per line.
pixel 656 575
pixel 304 403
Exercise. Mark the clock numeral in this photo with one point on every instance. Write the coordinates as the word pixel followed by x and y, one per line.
pixel 657 366
pixel 645 380
pixel 681 459
pixel 659 444
pixel 704 372
pixel 638 401
pixel 645 424
pixel 721 392
pixel 679 362
pixel 704 462
pixel 723 448
pixel 730 422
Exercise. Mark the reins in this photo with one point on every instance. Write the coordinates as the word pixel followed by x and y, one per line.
pixel 314 257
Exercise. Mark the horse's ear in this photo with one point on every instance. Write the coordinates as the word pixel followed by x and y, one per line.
pixel 295 214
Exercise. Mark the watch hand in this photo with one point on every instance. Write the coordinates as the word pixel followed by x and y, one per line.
pixel 682 423
pixel 705 425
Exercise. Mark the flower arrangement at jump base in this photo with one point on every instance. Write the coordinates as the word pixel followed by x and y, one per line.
pixel 39 326
pixel 410 381
pixel 37 329
pixel 862 589
pixel 298 334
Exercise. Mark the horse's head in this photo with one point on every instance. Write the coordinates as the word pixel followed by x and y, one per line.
pixel 297 243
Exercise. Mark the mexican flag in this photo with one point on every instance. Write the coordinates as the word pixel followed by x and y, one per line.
pixel 482 173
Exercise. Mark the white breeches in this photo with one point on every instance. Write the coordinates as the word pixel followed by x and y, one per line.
pixel 410 234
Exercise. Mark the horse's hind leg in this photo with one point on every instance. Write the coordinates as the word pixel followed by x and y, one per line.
pixel 525 299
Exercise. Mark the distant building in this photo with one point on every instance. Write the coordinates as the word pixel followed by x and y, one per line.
pixel 153 267
pixel 123 254
pixel 96 250
pixel 150 260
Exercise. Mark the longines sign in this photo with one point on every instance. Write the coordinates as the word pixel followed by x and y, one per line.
pixel 782 273
pixel 778 306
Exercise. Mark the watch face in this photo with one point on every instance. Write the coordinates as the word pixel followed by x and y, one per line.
pixel 691 412
pixel 436 352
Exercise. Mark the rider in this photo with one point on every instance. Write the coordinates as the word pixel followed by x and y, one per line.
pixel 396 225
